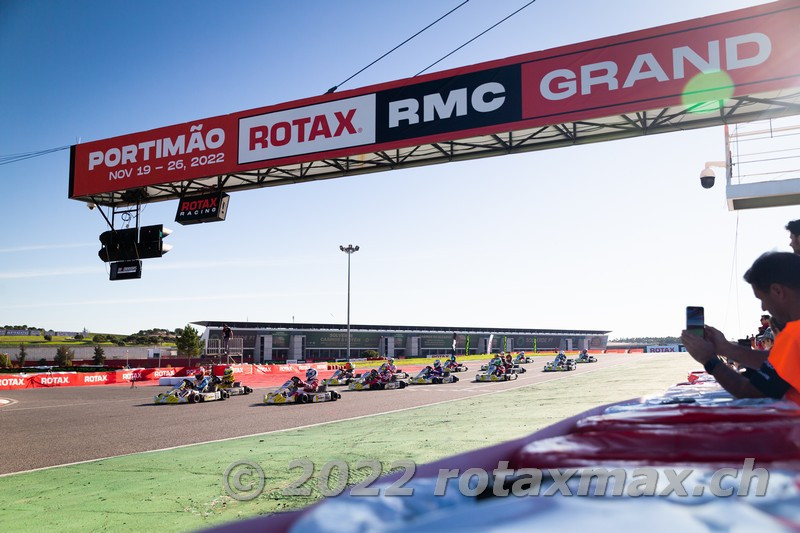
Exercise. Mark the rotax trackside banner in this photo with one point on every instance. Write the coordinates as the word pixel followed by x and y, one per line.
pixel 738 53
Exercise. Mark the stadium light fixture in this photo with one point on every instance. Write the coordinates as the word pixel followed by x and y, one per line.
pixel 349 250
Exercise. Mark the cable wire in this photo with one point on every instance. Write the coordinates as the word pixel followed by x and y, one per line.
pixel 335 87
pixel 480 34
pixel 13 158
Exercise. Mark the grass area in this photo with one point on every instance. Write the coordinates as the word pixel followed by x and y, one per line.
pixel 182 490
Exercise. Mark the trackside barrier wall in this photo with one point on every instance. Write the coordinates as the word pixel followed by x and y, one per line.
pixel 152 375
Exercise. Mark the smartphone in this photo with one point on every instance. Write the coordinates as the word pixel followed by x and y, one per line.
pixel 695 321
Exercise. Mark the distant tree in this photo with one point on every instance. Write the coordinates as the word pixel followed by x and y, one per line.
pixel 42 362
pixel 99 338
pixel 5 360
pixel 120 343
pixel 370 354
pixel 188 342
pixel 64 356
pixel 99 356
pixel 79 337
pixel 48 338
pixel 22 355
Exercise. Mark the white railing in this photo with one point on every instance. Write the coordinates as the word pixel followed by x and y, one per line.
pixel 215 348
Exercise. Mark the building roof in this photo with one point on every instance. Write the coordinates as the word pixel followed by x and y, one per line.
pixel 384 327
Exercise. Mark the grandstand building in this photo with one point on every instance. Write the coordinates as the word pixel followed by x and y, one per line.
pixel 274 341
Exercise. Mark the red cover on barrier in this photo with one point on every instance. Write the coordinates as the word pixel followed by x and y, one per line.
pixel 720 443
pixel 684 414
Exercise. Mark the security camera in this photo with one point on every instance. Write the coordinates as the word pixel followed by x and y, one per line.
pixel 707 177
pixel 91 205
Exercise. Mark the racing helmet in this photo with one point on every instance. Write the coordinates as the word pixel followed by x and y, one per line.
pixel 437 364
pixel 390 361
pixel 373 372
pixel 200 373
pixel 348 366
pixel 311 374
pixel 228 372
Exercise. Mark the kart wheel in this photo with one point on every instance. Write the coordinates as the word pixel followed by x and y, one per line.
pixel 402 384
pixel 303 398
pixel 201 398
pixel 191 398
pixel 455 379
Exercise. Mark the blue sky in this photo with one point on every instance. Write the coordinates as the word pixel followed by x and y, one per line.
pixel 615 236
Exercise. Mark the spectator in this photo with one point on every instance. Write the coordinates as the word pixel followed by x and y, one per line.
pixel 794 235
pixel 226 338
pixel 775 279
pixel 764 324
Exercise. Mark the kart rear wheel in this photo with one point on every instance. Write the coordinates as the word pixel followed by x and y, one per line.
pixel 191 398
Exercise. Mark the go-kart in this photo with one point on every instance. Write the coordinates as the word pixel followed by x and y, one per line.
pixel 186 393
pixel 361 384
pixel 515 369
pixel 396 373
pixel 233 389
pixel 587 359
pixel 426 378
pixel 566 366
pixel 493 376
pixel 286 394
pixel 341 377
pixel 450 366
pixel 522 359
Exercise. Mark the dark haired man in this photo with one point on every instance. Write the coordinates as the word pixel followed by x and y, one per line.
pixel 794 235
pixel 775 279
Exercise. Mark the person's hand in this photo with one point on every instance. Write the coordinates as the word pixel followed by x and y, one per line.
pixel 699 348
pixel 717 338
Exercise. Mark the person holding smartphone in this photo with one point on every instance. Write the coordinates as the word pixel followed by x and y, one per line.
pixel 775 279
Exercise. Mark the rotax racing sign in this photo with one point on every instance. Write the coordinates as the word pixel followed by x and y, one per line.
pixel 745 52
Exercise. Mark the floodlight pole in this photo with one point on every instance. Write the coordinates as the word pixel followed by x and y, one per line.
pixel 349 250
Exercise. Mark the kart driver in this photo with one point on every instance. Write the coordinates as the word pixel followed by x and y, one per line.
pixel 560 359
pixel 584 355
pixel 227 377
pixel 385 374
pixel 347 372
pixel 509 363
pixel 388 365
pixel 312 383
pixel 200 380
pixel 372 378
pixel 496 366
pixel 437 370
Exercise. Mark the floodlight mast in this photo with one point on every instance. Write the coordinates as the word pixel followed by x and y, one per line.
pixel 349 250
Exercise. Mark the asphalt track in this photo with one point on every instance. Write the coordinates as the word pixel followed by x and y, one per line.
pixel 57 426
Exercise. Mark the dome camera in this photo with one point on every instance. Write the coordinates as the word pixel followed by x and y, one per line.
pixel 91 205
pixel 707 178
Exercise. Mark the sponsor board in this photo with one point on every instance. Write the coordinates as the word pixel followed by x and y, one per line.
pixel 317 128
pixel 744 52
pixel 670 348
pixel 205 208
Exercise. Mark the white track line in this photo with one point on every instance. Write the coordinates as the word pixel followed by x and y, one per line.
pixel 359 417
